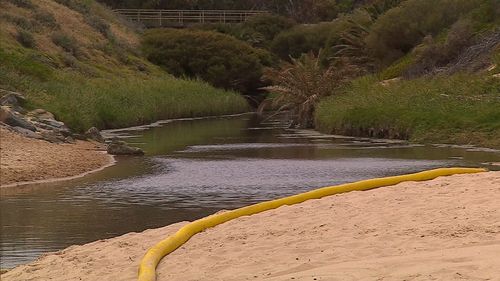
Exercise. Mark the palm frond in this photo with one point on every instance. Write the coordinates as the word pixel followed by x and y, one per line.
pixel 303 82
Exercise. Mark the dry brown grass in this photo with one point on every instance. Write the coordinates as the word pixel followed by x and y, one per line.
pixel 72 24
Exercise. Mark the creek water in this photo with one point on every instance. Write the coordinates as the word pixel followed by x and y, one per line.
pixel 194 168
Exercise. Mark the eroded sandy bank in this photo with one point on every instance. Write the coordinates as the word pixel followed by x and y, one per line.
pixel 25 160
pixel 444 229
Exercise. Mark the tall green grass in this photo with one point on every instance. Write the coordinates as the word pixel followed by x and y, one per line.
pixel 460 109
pixel 113 101
pixel 124 102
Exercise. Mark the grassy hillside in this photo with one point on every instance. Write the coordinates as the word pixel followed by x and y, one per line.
pixel 461 109
pixel 431 80
pixel 80 61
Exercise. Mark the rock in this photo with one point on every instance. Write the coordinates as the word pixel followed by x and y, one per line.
pixel 41 114
pixel 69 139
pixel 101 147
pixel 53 123
pixel 79 137
pixel 66 132
pixel 11 98
pixel 117 147
pixel 94 134
pixel 58 126
pixel 53 137
pixel 63 130
pixel 26 132
pixel 14 119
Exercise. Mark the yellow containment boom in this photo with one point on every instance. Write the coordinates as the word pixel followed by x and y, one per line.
pixel 157 252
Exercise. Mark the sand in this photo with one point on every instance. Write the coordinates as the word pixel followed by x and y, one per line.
pixel 444 229
pixel 25 160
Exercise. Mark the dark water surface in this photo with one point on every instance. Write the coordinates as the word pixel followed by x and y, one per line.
pixel 196 167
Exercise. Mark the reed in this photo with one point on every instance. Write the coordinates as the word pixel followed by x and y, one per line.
pixel 121 102
pixel 459 109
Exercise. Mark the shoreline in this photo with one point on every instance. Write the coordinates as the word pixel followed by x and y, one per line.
pixel 112 162
pixel 446 225
pixel 159 123
pixel 28 161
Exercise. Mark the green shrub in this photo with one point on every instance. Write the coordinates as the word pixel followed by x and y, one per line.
pixel 258 31
pixel 46 19
pixel 100 25
pixel 25 38
pixel 266 26
pixel 69 44
pixel 28 4
pixel 301 39
pixel 68 60
pixel 398 68
pixel 219 59
pixel 83 7
pixel 21 22
pixel 314 11
pixel 486 15
pixel 379 7
pixel 437 53
pixel 400 29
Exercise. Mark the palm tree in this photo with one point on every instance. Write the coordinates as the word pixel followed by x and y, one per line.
pixel 352 46
pixel 300 85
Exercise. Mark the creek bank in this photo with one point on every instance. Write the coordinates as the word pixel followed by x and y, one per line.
pixel 36 147
pixel 449 225
pixel 459 109
pixel 118 147
pixel 36 124
pixel 41 124
pixel 30 160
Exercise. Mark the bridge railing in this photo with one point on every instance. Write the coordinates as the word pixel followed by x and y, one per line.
pixel 186 17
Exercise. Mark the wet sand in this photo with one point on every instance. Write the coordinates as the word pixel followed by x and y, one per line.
pixel 26 160
pixel 444 229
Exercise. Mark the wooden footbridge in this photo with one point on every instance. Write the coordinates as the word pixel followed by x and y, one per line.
pixel 185 18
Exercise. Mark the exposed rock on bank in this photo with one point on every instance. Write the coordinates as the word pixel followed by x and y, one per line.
pixel 94 134
pixel 117 147
pixel 37 124
pixel 35 146
pixel 41 124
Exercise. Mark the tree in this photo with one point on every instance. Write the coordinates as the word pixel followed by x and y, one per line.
pixel 219 59
pixel 300 85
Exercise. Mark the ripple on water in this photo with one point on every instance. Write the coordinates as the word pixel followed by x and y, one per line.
pixel 219 182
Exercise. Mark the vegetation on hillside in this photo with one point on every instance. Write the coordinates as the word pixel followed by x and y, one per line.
pixel 330 60
pixel 462 109
pixel 219 59
pixel 431 48
pixel 258 31
pixel 78 60
pixel 301 84
pixel 306 11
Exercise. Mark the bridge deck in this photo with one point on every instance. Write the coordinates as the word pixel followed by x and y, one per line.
pixel 182 18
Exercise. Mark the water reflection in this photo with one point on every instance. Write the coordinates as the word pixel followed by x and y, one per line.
pixel 195 168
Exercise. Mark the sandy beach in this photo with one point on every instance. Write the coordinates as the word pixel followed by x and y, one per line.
pixel 25 160
pixel 444 229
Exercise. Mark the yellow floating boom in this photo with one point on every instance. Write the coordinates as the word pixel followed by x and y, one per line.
pixel 157 252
